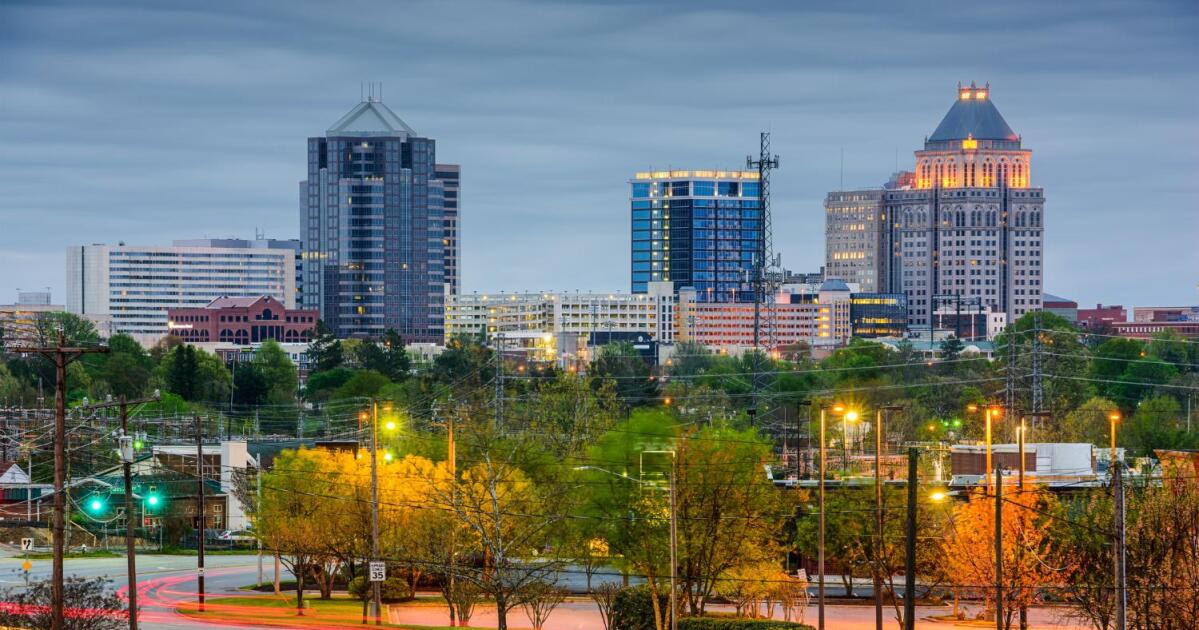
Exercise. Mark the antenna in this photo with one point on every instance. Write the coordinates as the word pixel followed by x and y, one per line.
pixel 763 278
pixel 842 186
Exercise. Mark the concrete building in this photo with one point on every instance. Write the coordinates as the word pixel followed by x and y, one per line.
pixel 966 223
pixel 698 229
pixel 19 320
pixel 1144 314
pixel 1049 464
pixel 242 321
pixel 816 315
pixel 136 285
pixel 373 227
pixel 972 224
pixel 550 324
pixel 1146 330
pixel 853 223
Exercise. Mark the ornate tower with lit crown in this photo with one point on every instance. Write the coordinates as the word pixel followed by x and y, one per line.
pixel 969 226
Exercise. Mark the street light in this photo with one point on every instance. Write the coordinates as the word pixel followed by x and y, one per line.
pixel 992 411
pixel 1113 418
pixel 878 511
pixel 837 409
pixel 674 618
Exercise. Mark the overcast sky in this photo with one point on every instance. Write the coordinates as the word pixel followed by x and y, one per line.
pixel 150 121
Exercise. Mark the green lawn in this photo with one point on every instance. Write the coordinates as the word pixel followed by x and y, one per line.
pixel 280 610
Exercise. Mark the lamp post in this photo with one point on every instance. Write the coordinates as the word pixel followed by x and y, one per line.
pixel 837 409
pixel 1113 418
pixel 674 617
pixel 878 513
pixel 992 411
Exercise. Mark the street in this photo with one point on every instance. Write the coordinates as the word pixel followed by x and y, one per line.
pixel 166 580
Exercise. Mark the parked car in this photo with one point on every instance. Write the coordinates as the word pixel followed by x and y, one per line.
pixel 240 536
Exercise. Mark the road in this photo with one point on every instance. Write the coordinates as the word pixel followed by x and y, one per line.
pixel 164 581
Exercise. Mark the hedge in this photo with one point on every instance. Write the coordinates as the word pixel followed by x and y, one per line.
pixel 738 623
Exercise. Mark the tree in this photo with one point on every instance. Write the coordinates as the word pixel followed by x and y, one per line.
pixel 125 370
pixel 951 351
pixel 91 604
pixel 289 518
pixel 389 358
pixel 510 518
pixel 1163 552
pixel 1158 422
pixel 1062 355
pixel 1081 539
pixel 364 384
pixel 324 351
pixel 567 411
pixel 542 599
pixel 1086 423
pixel 621 364
pixel 195 375
pixel 279 373
pixel 970 548
pixel 249 384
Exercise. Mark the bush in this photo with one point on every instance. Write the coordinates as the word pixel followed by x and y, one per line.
pixel 727 623
pixel 394 589
pixel 633 609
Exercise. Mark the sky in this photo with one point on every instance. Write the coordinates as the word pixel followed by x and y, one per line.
pixel 145 122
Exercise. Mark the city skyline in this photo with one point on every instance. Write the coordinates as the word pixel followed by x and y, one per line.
pixel 219 109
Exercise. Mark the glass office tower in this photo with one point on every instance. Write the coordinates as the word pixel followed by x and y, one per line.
pixel 697 229
pixel 371 222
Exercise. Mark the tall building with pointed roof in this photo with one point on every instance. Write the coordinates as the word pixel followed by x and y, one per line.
pixel 372 222
pixel 970 225
pixel 967 226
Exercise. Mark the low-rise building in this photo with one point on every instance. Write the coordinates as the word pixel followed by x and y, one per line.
pixel 1051 464
pixel 1101 316
pixel 242 321
pixel 1060 306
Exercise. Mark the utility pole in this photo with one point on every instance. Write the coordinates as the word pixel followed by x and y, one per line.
pixel 820 534
pixel 909 569
pixel 201 526
pixel 125 443
pixel 499 380
pixel 452 463
pixel 61 355
pixel 1118 513
pixel 674 542
pixel 376 607
pixel 998 547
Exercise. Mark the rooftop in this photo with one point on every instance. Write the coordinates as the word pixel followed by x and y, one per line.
pixel 973 116
pixel 371 118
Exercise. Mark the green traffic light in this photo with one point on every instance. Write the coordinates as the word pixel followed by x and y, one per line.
pixel 137 445
pixel 152 500
pixel 96 505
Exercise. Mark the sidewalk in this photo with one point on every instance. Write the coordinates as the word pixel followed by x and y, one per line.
pixel 583 615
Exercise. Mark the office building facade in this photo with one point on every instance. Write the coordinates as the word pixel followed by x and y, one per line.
pixel 698 229
pixel 372 223
pixel 135 286
pixel 242 321
pixel 966 224
pixel 450 176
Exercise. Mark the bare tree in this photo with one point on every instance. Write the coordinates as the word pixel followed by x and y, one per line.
pixel 541 600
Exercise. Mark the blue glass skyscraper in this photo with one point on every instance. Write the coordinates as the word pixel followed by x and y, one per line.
pixel 372 226
pixel 696 229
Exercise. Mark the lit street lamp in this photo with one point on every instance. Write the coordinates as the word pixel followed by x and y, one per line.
pixel 840 410
pixel 1113 418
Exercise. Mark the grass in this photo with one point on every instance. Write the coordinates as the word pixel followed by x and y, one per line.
pixel 95 553
pixel 280 610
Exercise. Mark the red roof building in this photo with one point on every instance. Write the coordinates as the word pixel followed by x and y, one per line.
pixel 242 321
pixel 1101 316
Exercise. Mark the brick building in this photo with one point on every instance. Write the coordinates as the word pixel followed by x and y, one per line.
pixel 242 321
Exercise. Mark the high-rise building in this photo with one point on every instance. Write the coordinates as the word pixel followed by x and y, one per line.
pixel 372 222
pixel 135 286
pixel 972 224
pixel 697 229
pixel 451 179
pixel 966 224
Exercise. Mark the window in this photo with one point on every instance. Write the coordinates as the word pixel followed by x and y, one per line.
pixel 703 188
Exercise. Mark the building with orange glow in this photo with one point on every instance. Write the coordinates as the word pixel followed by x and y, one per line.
pixel 971 223
pixel 967 223
pixel 817 316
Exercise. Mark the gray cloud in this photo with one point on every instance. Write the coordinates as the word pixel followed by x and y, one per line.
pixel 148 121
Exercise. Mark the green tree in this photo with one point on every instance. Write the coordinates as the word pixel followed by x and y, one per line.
pixel 621 365
pixel 1158 422
pixel 278 372
pixel 324 351
pixel 321 384
pixel 1086 423
pixel 1063 358
pixel 364 384
pixel 195 375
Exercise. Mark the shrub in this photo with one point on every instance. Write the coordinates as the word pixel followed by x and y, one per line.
pixel 394 589
pixel 633 609
pixel 733 623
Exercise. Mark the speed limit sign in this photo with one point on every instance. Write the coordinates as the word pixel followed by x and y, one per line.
pixel 378 571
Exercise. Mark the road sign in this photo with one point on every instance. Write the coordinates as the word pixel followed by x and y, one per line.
pixel 26 544
pixel 378 571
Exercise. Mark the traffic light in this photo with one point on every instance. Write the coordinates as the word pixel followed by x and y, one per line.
pixel 139 441
pixel 153 499
pixel 96 504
